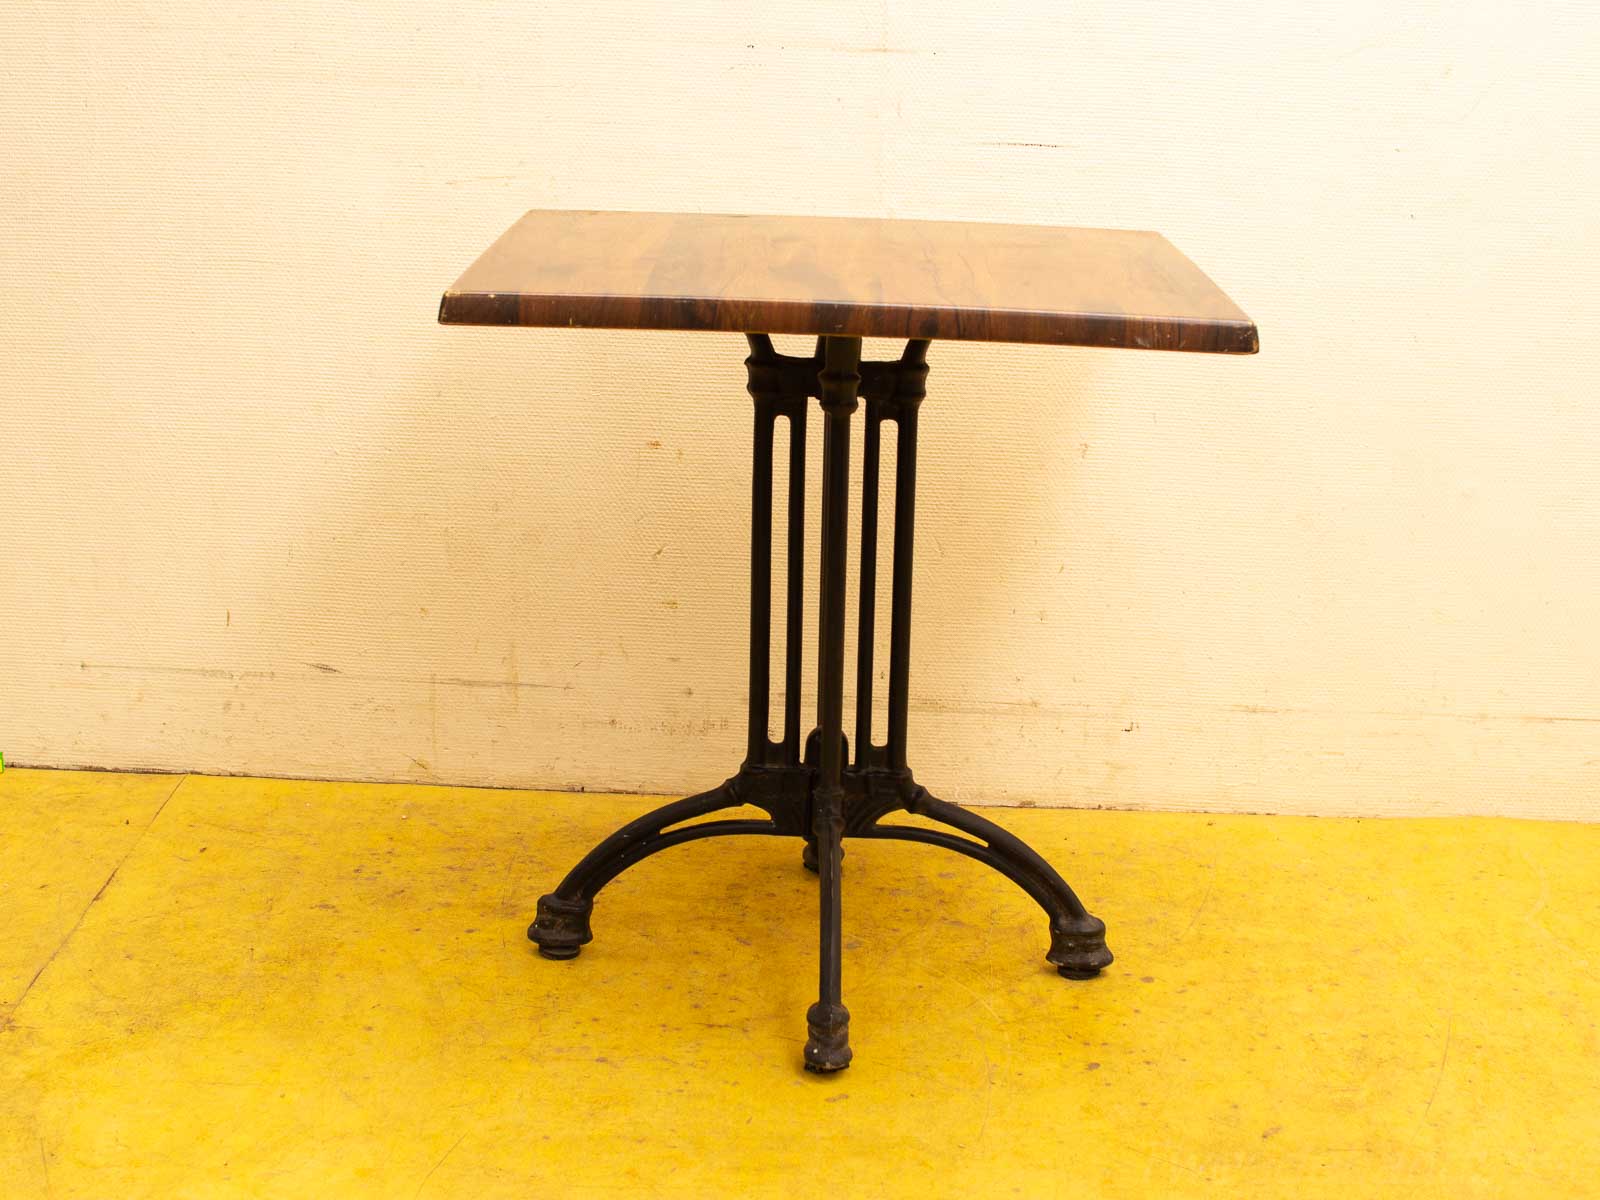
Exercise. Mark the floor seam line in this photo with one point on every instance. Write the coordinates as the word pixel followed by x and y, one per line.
pixel 16 1005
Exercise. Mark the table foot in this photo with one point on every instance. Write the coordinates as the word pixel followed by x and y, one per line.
pixel 561 927
pixel 1079 951
pixel 828 1043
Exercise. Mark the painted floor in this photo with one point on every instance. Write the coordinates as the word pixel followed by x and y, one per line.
pixel 239 987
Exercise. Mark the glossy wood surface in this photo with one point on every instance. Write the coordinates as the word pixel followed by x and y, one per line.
pixel 848 276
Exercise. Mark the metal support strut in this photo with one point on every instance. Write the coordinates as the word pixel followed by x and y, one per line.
pixel 812 789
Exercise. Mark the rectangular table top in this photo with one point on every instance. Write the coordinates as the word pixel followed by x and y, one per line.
pixel 849 277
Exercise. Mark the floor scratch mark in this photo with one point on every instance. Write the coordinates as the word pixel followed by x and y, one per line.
pixel 437 1165
pixel 79 922
pixel 512 879
pixel 1167 1162
pixel 1211 878
pixel 1449 1033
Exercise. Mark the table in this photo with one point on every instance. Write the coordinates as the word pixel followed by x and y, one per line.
pixel 839 279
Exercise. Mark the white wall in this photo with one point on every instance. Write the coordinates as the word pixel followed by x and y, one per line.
pixel 261 514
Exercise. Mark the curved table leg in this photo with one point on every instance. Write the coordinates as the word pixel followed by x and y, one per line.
pixel 561 927
pixel 1077 939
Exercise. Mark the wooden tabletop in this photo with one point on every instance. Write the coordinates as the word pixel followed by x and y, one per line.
pixel 848 276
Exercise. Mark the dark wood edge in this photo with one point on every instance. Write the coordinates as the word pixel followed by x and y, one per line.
pixel 1115 330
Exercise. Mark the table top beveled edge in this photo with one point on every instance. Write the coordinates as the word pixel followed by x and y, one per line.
pixel 1226 331
pixel 688 314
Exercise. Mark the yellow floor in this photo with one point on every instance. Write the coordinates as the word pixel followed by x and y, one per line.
pixel 218 987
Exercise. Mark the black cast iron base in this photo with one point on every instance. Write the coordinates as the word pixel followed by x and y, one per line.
pixel 813 790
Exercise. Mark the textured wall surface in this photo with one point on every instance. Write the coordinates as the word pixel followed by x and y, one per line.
pixel 262 514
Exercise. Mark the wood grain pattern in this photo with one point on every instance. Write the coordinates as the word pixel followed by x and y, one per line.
pixel 847 276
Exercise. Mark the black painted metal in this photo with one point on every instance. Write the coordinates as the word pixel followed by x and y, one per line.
pixel 794 626
pixel 828 1047
pixel 909 388
pixel 761 578
pixel 811 789
pixel 867 601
